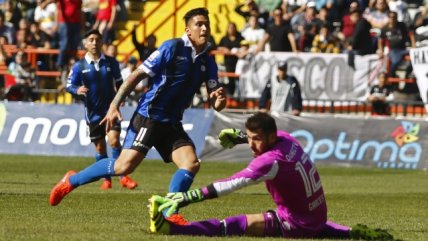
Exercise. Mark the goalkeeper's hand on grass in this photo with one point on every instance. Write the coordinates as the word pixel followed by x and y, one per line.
pixel 176 200
pixel 231 136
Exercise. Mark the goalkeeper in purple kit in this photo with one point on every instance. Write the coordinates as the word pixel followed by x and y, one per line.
pixel 290 177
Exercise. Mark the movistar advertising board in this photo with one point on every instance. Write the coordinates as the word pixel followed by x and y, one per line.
pixel 339 140
pixel 46 129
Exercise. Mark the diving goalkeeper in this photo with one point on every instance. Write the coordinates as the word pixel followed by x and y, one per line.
pixel 290 177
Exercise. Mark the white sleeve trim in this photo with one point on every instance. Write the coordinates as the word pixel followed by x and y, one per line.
pixel 228 186
pixel 147 70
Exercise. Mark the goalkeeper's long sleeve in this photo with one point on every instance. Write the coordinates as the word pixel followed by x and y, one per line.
pixel 209 192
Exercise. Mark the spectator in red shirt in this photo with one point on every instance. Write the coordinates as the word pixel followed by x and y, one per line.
pixel 70 24
pixel 105 18
pixel 349 22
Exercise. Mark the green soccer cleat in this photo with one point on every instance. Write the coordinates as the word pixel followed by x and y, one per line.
pixel 158 223
pixel 362 232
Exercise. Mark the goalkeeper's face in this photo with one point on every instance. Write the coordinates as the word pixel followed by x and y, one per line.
pixel 260 142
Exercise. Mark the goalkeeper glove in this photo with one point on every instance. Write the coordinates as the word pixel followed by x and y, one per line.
pixel 181 199
pixel 230 137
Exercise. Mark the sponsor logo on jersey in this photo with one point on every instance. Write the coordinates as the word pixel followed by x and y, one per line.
pixel 184 58
pixel 203 68
pixel 86 71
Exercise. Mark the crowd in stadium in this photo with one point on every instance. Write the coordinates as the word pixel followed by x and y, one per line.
pixel 356 27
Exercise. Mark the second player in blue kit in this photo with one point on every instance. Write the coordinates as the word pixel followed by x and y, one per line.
pixel 95 79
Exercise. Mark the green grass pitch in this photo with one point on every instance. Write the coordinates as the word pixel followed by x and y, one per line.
pixel 396 200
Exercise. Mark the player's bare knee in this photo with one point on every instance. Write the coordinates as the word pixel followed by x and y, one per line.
pixel 114 143
pixel 121 168
pixel 194 166
pixel 191 165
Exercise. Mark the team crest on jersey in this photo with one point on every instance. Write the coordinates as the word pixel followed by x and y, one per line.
pixel 153 55
pixel 212 83
pixel 203 68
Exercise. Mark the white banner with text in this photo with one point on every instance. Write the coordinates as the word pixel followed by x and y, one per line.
pixel 419 58
pixel 321 76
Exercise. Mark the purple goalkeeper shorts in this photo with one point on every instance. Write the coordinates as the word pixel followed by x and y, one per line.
pixel 329 230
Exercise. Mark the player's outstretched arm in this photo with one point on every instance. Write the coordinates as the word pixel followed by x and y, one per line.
pixel 230 137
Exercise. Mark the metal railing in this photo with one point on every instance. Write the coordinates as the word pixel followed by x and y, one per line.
pixel 397 108
pixel 155 13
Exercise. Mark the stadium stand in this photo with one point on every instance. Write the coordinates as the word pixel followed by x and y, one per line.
pixel 159 17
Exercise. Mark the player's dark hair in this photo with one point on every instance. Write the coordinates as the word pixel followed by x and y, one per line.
pixel 195 12
pixel 261 121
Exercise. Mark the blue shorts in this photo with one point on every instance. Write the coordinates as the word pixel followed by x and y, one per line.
pixel 144 133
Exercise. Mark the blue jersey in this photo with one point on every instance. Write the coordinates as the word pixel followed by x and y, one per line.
pixel 177 74
pixel 101 83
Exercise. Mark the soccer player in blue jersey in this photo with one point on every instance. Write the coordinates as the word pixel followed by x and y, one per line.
pixel 96 78
pixel 178 68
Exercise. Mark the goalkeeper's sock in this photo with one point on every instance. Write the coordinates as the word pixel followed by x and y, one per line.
pixel 231 226
pixel 181 181
pixel 99 157
pixel 333 230
pixel 100 169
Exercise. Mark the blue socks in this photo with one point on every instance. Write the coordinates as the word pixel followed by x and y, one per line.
pixel 99 157
pixel 181 181
pixel 115 152
pixel 103 168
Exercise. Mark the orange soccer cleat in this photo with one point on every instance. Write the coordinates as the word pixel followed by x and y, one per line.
pixel 106 184
pixel 177 219
pixel 61 189
pixel 127 182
